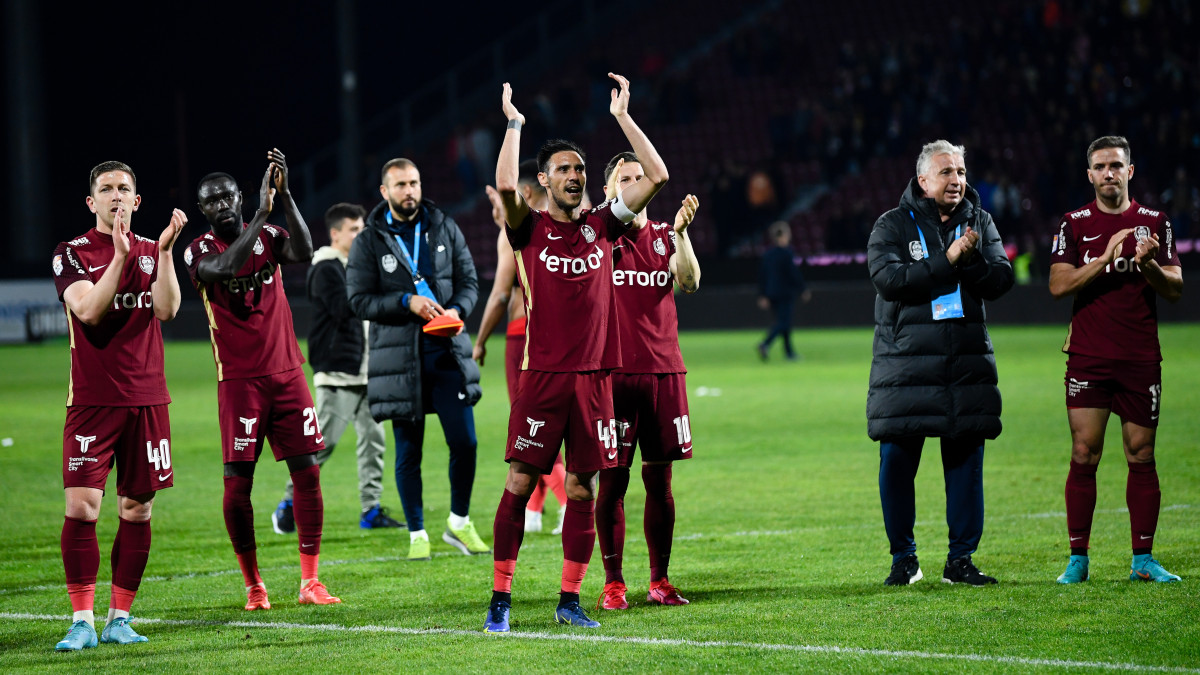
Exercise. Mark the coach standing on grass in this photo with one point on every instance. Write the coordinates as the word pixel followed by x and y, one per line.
pixel 933 260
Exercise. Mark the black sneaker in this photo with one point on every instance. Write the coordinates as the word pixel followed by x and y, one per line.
pixel 905 571
pixel 963 571
pixel 282 518
pixel 377 516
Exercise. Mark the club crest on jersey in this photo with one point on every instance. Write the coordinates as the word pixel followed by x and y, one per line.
pixel 588 233
pixel 915 250
pixel 146 263
pixel 258 247
pixel 1141 232
pixel 187 257
pixel 389 263
pixel 58 267
pixel 659 247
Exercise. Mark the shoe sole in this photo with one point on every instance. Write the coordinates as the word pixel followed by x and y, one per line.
pixel 967 583
pixel 460 545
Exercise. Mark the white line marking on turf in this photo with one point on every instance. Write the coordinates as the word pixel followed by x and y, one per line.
pixel 660 642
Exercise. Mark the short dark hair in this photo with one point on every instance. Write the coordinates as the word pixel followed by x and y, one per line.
pixel 341 212
pixel 527 173
pixel 216 176
pixel 556 145
pixel 105 167
pixel 1105 142
pixel 398 163
pixel 628 156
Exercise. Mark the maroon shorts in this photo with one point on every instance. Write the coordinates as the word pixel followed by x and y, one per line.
pixel 278 407
pixel 553 407
pixel 1131 389
pixel 514 351
pixel 137 440
pixel 652 412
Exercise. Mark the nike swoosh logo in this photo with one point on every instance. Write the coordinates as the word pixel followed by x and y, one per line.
pixel 93 269
pixel 1076 538
pixel 1091 238
pixel 612 455
pixel 162 478
pixel 1144 537
pixel 1154 417
pixel 320 439
pixel 306 545
pixel 550 236
pixel 687 449
pixel 609 557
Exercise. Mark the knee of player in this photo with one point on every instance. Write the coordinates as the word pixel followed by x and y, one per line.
pixel 520 482
pixel 136 509
pixel 1084 452
pixel 1141 454
pixel 82 504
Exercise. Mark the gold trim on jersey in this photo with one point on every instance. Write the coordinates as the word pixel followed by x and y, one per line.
pixel 212 336
pixel 71 377
pixel 1067 344
pixel 524 278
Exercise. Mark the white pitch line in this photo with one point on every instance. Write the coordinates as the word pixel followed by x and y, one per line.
pixel 527 546
pixel 656 642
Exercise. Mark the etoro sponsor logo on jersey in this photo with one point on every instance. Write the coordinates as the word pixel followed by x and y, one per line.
pixel 251 282
pixel 141 300
pixel 573 266
pixel 660 279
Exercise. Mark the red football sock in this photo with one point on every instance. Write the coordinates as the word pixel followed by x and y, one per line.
pixel 1081 503
pixel 81 561
pixel 122 598
pixel 308 507
pixel 308 566
pixel 130 551
pixel 578 542
pixel 537 500
pixel 610 520
pixel 248 561
pixel 659 518
pixel 1143 498
pixel 556 481
pixel 508 529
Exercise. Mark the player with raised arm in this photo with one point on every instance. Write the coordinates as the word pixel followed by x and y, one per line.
pixel 116 287
pixel 507 296
pixel 649 389
pixel 564 262
pixel 1113 256
pixel 261 388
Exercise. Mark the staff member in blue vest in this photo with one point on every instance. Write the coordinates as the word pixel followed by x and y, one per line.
pixel 408 267
pixel 934 260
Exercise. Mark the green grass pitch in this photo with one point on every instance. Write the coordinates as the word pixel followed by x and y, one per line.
pixel 779 540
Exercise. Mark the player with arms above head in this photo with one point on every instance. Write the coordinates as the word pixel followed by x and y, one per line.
pixel 507 296
pixel 649 391
pixel 116 287
pixel 564 261
pixel 261 389
pixel 1114 256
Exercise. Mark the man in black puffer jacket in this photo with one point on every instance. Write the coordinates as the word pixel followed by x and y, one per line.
pixel 934 260
pixel 410 265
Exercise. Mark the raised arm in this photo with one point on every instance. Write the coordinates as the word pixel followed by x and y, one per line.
pixel 226 264
pixel 638 195
pixel 165 289
pixel 91 301
pixel 684 266
pixel 1067 279
pixel 299 246
pixel 507 166
pixel 497 302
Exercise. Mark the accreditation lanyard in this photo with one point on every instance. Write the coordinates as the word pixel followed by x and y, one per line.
pixel 948 306
pixel 423 288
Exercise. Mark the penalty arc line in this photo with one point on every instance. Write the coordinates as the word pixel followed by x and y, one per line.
pixel 653 642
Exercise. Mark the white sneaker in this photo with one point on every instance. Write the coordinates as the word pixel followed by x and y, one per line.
pixel 533 521
pixel 562 515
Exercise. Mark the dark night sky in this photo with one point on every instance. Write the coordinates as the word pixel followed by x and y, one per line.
pixel 177 90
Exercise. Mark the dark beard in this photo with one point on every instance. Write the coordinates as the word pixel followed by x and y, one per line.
pixel 566 208
pixel 405 214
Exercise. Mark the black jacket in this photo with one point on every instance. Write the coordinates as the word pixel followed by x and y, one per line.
pixel 778 276
pixel 335 337
pixel 933 378
pixel 394 368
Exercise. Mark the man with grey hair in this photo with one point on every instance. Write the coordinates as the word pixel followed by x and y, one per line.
pixel 934 260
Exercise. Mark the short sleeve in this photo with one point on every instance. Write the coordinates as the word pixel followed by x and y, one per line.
pixel 278 238
pixel 1064 249
pixel 67 268
pixel 520 237
pixel 1168 255
pixel 195 252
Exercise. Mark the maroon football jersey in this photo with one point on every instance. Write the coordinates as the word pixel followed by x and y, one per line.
pixel 118 362
pixel 566 271
pixel 249 319
pixel 1115 316
pixel 645 300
